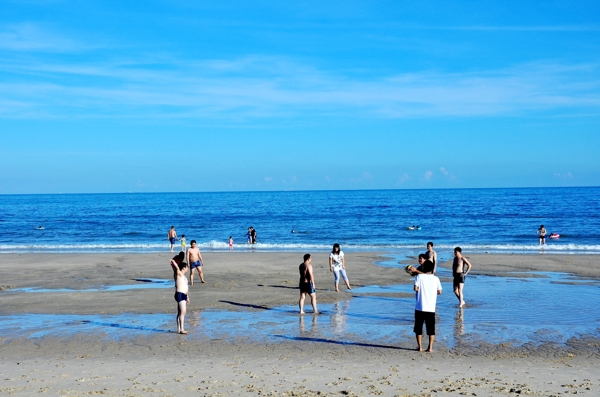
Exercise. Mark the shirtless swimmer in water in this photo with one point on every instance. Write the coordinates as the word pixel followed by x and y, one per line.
pixel 180 268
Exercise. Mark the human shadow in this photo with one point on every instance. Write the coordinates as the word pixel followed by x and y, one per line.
pixel 125 326
pixel 337 342
pixel 277 286
pixel 262 307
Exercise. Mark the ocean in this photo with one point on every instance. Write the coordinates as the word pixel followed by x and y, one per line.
pixel 478 220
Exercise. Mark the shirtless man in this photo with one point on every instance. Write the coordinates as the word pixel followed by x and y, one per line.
pixel 542 234
pixel 180 268
pixel 459 274
pixel 172 237
pixel 431 255
pixel 307 284
pixel 194 258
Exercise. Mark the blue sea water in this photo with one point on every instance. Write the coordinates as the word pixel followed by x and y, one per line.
pixel 479 220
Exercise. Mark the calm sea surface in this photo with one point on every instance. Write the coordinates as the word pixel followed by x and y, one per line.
pixel 480 220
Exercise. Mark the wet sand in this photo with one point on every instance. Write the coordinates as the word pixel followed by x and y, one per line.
pixel 169 364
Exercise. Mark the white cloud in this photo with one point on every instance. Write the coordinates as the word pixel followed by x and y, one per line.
pixel 403 178
pixel 268 179
pixel 428 175
pixel 566 175
pixel 444 171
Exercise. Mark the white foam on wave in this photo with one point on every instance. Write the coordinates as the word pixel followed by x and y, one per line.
pixel 215 245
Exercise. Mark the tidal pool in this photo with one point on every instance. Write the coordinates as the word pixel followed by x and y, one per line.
pixel 520 308
pixel 144 283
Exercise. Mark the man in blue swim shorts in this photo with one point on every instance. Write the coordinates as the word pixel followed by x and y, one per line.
pixel 172 237
pixel 194 258
pixel 180 268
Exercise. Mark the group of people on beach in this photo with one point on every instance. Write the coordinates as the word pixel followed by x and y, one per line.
pixel 426 285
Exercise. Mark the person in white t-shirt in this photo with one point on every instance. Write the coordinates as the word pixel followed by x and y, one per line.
pixel 338 266
pixel 427 288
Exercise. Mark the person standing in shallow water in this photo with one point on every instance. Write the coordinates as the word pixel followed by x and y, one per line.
pixel 180 268
pixel 172 237
pixel 431 255
pixel 337 265
pixel 541 232
pixel 459 274
pixel 427 288
pixel 307 284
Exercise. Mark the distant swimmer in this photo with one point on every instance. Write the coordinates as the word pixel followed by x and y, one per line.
pixel 460 274
pixel 40 227
pixel 541 232
pixel 230 243
pixel 172 237
pixel 253 235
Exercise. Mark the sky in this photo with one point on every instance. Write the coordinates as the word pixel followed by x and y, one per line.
pixel 177 96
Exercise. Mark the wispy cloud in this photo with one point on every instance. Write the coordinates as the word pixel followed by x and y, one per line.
pixel 257 86
pixel 30 37
pixel 428 175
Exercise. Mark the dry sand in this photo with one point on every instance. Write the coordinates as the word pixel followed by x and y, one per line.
pixel 168 364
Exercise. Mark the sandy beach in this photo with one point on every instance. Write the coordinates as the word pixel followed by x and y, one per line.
pixel 164 363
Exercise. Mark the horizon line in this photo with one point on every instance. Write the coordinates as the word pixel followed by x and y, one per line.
pixel 301 190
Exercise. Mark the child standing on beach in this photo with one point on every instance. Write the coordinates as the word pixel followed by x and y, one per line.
pixel 230 243
pixel 180 268
pixel 427 288
pixel 183 243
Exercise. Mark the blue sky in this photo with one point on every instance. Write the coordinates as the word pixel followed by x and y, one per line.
pixel 157 96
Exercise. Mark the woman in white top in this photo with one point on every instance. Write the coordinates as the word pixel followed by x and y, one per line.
pixel 338 266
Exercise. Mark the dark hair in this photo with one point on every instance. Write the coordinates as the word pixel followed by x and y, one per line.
pixel 457 249
pixel 192 242
pixel 179 257
pixel 183 235
pixel 306 257
pixel 422 256
pixel 172 227
pixel 428 266
pixel 182 265
pixel 430 243
pixel 541 226
pixel 336 245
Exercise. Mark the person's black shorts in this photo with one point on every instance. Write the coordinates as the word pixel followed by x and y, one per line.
pixel 307 288
pixel 459 279
pixel 424 317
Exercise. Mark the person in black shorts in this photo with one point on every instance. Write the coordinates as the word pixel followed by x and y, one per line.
pixel 307 284
pixel 459 274
pixel 427 288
